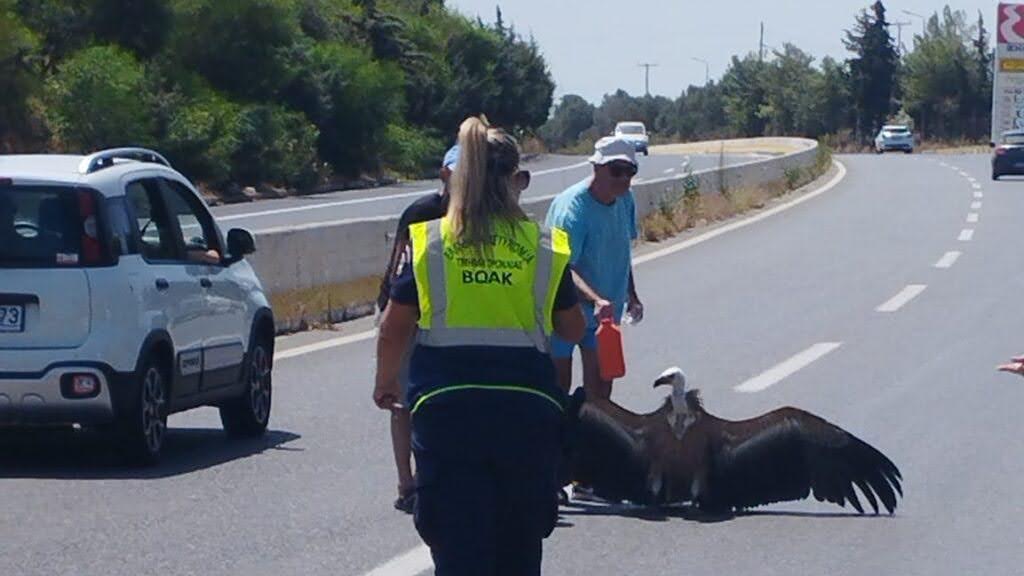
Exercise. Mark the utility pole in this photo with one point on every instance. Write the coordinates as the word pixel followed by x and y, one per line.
pixel 760 45
pixel 916 15
pixel 899 34
pixel 647 77
pixel 707 69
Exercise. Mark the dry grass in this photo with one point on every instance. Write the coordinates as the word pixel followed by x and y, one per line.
pixel 322 306
pixel 735 146
pixel 700 210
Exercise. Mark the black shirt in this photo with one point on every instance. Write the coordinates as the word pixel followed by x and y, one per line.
pixel 424 209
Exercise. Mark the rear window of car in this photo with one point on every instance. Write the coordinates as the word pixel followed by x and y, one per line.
pixel 631 129
pixel 43 226
pixel 897 131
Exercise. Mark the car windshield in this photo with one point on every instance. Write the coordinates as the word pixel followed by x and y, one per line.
pixel 631 129
pixel 39 226
pixel 896 130
pixel 1013 139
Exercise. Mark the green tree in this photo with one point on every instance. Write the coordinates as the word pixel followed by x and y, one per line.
pixel 946 82
pixel 743 92
pixel 142 26
pixel 872 69
pixel 791 89
pixel 18 80
pixel 243 47
pixel 570 118
pixel 99 98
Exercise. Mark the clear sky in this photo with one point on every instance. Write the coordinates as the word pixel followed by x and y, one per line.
pixel 594 47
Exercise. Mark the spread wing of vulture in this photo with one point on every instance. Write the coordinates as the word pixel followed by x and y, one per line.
pixel 682 453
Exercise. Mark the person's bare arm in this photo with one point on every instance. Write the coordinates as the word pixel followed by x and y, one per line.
pixel 602 307
pixel 397 326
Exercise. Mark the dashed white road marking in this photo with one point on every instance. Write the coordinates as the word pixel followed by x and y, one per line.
pixel 668 170
pixel 966 234
pixel 947 260
pixel 780 372
pixel 976 186
pixel 972 218
pixel 899 300
pixel 975 205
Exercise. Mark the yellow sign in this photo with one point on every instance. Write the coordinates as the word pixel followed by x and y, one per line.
pixel 1011 65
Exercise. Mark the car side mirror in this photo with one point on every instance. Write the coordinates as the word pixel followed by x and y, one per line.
pixel 240 244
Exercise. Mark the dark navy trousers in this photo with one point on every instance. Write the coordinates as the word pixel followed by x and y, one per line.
pixel 487 467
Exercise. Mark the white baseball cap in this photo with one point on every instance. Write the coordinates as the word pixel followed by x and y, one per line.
pixel 610 149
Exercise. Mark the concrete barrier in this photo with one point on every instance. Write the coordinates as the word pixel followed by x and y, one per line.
pixel 335 252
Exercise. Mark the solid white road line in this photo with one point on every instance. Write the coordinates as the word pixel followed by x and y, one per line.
pixel 773 376
pixel 899 300
pixel 966 234
pixel 326 344
pixel 947 260
pixel 411 563
pixel 371 199
pixel 975 205
pixel 367 335
pixel 972 218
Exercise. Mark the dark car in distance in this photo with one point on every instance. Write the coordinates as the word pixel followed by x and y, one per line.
pixel 1008 154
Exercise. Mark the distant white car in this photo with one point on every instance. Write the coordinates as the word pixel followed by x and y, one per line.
pixel 894 137
pixel 633 132
pixel 121 302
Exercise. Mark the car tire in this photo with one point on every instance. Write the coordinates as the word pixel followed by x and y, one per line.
pixel 249 414
pixel 995 175
pixel 908 151
pixel 645 153
pixel 141 430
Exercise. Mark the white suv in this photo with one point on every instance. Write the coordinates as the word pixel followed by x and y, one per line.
pixel 121 302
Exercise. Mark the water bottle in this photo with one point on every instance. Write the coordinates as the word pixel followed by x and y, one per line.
pixel 611 360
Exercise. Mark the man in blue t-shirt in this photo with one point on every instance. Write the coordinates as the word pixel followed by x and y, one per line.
pixel 599 215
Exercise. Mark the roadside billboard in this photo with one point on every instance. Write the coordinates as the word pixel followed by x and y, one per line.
pixel 1008 86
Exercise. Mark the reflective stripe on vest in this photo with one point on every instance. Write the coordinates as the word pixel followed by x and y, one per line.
pixel 501 297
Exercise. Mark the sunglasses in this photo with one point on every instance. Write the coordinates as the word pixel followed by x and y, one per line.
pixel 620 169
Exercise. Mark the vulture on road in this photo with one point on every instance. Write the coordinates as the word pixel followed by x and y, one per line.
pixel 680 453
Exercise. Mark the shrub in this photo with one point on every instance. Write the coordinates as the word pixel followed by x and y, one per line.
pixel 99 98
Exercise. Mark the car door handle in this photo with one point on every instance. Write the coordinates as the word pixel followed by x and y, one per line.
pixel 205 283
pixel 162 284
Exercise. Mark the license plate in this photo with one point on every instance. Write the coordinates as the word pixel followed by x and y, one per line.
pixel 12 318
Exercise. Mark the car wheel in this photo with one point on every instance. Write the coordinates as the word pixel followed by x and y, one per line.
pixel 909 151
pixel 141 430
pixel 249 414
pixel 878 150
pixel 995 175
pixel 645 153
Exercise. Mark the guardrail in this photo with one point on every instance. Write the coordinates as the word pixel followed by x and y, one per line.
pixel 319 254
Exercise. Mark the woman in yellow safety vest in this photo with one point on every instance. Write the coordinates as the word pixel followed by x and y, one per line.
pixel 486 288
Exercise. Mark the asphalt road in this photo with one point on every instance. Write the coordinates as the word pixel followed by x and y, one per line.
pixel 551 175
pixel 917 381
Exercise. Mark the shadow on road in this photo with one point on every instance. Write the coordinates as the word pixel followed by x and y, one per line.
pixel 85 455
pixel 689 513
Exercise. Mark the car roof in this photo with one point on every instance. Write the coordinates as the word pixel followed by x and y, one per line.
pixel 631 123
pixel 66 169
pixel 895 127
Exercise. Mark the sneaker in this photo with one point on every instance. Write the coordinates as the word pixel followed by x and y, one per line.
pixel 585 494
pixel 406 502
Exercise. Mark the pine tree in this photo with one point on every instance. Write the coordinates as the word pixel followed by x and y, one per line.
pixel 873 69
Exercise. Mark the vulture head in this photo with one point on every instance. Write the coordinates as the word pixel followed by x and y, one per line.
pixel 685 406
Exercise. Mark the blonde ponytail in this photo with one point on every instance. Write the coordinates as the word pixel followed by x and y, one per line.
pixel 481 187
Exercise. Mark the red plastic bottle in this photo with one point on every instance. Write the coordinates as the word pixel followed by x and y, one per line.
pixel 611 361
